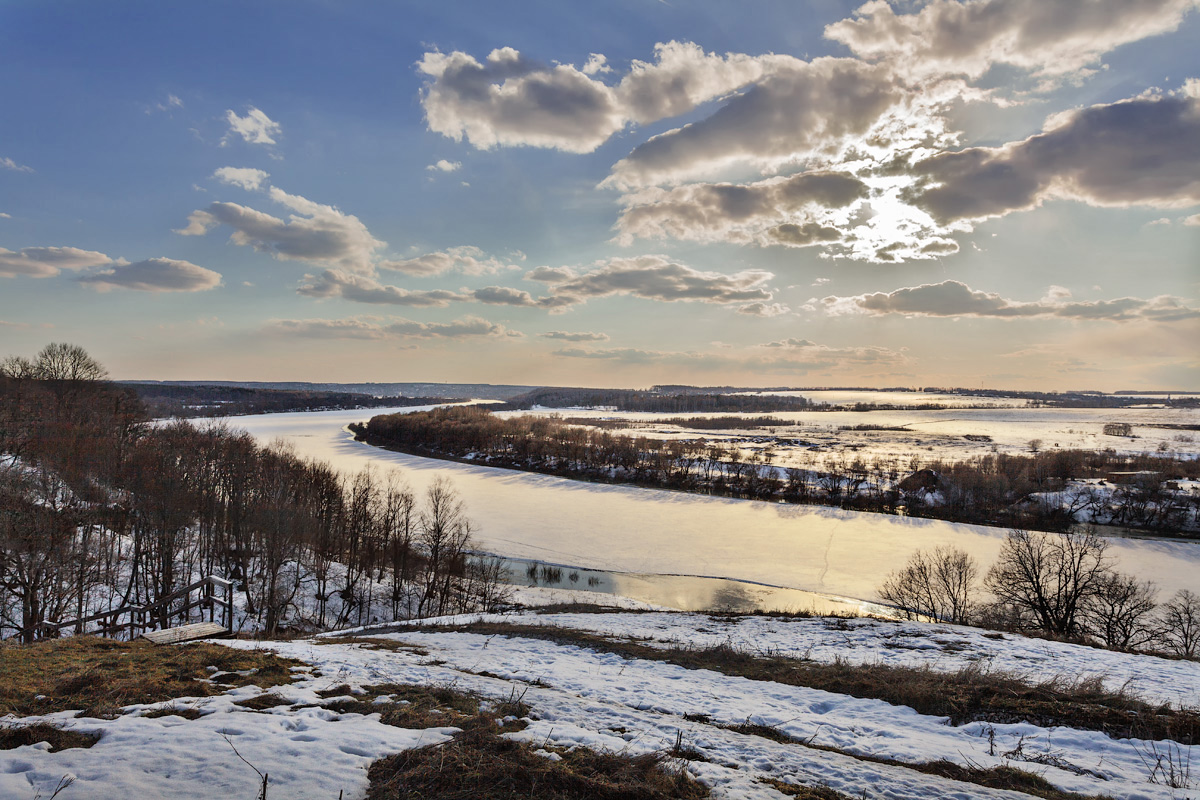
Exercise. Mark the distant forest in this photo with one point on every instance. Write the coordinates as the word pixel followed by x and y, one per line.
pixel 994 489
pixel 191 401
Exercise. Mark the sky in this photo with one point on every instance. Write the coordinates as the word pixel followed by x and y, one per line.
pixel 973 193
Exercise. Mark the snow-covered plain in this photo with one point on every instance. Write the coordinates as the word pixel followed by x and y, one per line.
pixel 630 529
pixel 580 696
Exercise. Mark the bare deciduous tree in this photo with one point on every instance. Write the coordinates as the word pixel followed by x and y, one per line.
pixel 1119 613
pixel 1049 576
pixel 1179 624
pixel 938 585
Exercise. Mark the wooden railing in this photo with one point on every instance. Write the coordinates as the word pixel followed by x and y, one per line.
pixel 151 616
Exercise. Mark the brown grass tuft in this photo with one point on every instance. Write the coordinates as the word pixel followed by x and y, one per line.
pixel 14 736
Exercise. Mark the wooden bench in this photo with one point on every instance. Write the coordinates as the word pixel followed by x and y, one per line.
pixel 187 633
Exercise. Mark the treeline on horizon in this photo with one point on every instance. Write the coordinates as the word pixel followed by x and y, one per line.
pixel 681 399
pixel 993 489
pixel 193 401
pixel 100 508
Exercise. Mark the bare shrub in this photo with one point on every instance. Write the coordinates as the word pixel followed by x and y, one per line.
pixel 937 585
pixel 1050 576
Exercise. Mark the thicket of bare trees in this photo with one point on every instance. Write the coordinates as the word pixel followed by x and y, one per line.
pixel 994 489
pixel 1061 585
pixel 101 509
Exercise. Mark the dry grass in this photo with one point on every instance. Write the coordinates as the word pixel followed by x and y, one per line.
pixel 480 763
pixel 965 696
pixel 99 676
pixel 14 736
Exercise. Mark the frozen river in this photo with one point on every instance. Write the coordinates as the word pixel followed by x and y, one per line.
pixel 628 529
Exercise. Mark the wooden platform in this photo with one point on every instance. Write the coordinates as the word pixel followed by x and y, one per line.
pixel 187 633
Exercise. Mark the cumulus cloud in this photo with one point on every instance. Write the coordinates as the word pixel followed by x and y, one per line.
pixel 956 299
pixel 315 233
pixel 254 128
pixel 511 100
pixel 799 112
pixel 776 210
pixel 4 215
pixel 46 262
pixel 657 278
pixel 442 165
pixel 154 275
pixel 583 336
pixel 1044 37
pixel 468 260
pixel 8 163
pixel 1144 151
pixel 389 328
pixel 365 289
pixel 764 309
pixel 1193 220
pixel 246 178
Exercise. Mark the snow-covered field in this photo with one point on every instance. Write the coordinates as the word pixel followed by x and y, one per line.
pixel 629 529
pixel 931 434
pixel 579 696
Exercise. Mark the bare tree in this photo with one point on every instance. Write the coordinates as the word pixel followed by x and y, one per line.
pixel 444 534
pixel 1119 613
pixel 1180 624
pixel 937 585
pixel 1049 576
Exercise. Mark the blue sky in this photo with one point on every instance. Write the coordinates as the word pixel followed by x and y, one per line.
pixel 994 193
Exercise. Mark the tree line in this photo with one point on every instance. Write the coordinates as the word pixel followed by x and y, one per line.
pixel 101 509
pixel 1059 585
pixel 1011 490
pixel 190 401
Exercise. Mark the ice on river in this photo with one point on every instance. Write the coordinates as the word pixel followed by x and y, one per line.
pixel 630 529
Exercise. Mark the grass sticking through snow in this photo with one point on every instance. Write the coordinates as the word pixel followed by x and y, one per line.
pixel 99 676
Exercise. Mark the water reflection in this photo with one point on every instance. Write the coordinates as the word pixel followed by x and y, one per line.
pixel 685 592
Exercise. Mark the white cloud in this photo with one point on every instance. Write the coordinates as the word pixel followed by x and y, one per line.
pixel 1043 37
pixel 246 178
pixel 315 233
pixel 254 128
pixel 583 336
pixel 389 328
pixel 46 262
pixel 655 278
pixel 510 100
pixel 154 275
pixel 8 163
pixel 442 165
pixel 465 259
pixel 956 299
pixel 5 216
pixel 1193 220
pixel 764 309
pixel 364 289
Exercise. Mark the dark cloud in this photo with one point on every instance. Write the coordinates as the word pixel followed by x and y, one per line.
pixel 1144 151
pixel 741 212
pixel 154 275
pixel 764 309
pixel 956 299
pixel 658 278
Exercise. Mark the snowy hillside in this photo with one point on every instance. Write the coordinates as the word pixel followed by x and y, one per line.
pixel 577 686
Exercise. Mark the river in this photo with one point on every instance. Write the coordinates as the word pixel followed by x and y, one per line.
pixel 626 529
